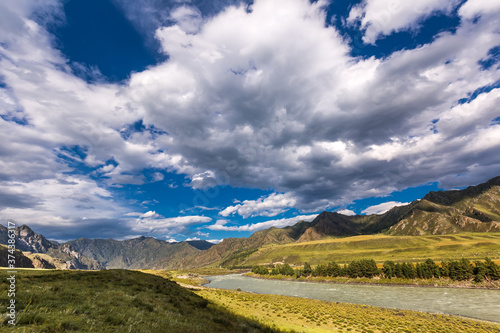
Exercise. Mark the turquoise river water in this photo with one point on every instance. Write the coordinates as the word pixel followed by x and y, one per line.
pixel 475 303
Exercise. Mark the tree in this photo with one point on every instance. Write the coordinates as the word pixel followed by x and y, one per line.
pixel 492 269
pixel 408 270
pixel 286 270
pixel 398 270
pixel 307 269
pixel 354 269
pixel 332 269
pixel 461 270
pixel 432 268
pixel 388 269
pixel 479 271
pixel 298 273
pixel 320 270
pixel 369 268
pixel 258 269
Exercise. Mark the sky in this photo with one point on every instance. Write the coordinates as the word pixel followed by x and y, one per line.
pixel 214 119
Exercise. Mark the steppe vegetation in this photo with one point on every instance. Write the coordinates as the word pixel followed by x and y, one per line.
pixel 308 315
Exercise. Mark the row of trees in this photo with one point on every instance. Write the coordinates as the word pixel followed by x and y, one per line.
pixel 455 270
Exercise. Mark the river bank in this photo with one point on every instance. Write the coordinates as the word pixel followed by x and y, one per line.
pixel 434 282
pixel 294 314
pixel 475 303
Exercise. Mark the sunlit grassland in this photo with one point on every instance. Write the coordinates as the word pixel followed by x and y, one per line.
pixel 113 301
pixel 307 315
pixel 381 248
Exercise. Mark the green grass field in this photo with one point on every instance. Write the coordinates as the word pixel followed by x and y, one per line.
pixel 113 301
pixel 381 248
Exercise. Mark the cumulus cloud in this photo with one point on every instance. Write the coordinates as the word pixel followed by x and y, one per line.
pixel 373 144
pixel 347 212
pixel 150 214
pixel 220 225
pixel 383 17
pixel 187 18
pixel 383 207
pixel 271 205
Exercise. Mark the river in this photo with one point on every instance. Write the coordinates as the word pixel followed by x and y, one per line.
pixel 475 303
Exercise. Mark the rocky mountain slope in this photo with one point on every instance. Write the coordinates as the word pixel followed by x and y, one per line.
pixel 83 253
pixel 44 253
pixel 142 252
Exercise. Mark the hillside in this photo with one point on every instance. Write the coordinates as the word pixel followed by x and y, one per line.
pixel 232 250
pixel 21 259
pixel 474 246
pixel 474 209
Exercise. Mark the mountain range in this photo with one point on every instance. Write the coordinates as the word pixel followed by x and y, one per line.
pixel 474 209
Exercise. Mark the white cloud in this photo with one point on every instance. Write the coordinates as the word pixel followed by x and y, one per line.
pixel 383 207
pixel 158 176
pixel 220 225
pixel 474 8
pixel 347 212
pixel 153 223
pixel 202 234
pixel 61 200
pixel 150 214
pixel 187 18
pixel 271 205
pixel 215 241
pixel 192 239
pixel 383 17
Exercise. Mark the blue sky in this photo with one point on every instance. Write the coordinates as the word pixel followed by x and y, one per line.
pixel 208 120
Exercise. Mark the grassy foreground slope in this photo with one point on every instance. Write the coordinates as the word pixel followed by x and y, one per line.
pixel 381 248
pixel 113 301
pixel 308 315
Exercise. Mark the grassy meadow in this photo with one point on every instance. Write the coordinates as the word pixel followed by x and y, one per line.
pixel 381 248
pixel 113 301
pixel 132 301
pixel 308 315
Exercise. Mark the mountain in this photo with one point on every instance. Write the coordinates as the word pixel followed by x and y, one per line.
pixel 46 254
pixel 27 239
pixel 232 251
pixel 138 253
pixel 474 209
pixel 200 244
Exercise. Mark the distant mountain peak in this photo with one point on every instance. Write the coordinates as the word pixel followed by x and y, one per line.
pixel 200 244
